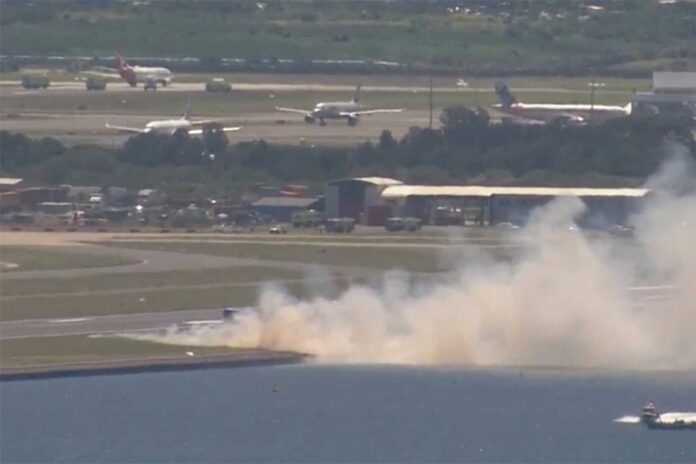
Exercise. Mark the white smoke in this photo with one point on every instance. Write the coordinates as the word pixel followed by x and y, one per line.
pixel 566 302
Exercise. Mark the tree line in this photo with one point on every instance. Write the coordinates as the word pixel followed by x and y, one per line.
pixel 467 148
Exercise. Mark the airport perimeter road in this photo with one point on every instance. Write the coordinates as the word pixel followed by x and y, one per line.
pixel 68 87
pixel 116 323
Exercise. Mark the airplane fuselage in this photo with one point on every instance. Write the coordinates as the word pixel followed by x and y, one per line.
pixel 550 111
pixel 335 110
pixel 142 74
pixel 168 126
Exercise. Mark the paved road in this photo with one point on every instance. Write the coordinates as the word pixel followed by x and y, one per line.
pixel 66 87
pixel 103 324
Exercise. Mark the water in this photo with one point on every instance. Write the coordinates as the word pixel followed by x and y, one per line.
pixel 340 414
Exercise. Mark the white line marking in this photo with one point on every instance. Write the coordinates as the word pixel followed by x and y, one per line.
pixel 63 321
pixel 214 321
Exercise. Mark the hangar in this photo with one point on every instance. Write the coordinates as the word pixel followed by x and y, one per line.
pixel 673 93
pixel 481 205
pixel 281 208
pixel 359 198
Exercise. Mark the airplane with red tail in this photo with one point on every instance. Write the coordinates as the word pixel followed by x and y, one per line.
pixel 148 76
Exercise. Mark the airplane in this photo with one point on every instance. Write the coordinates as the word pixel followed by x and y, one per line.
pixel 552 112
pixel 170 126
pixel 149 76
pixel 349 110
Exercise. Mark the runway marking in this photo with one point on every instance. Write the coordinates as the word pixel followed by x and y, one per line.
pixel 653 287
pixel 203 322
pixel 63 321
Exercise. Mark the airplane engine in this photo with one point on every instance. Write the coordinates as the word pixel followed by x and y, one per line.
pixel 310 119
pixel 352 121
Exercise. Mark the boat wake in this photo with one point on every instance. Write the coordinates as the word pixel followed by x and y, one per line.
pixel 628 420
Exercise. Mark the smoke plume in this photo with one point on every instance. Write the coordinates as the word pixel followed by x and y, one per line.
pixel 570 300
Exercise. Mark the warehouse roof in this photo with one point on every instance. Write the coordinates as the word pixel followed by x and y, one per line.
pixel 402 191
pixel 682 81
pixel 10 181
pixel 381 181
pixel 287 202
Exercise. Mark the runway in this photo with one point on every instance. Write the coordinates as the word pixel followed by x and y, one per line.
pixel 273 127
pixel 115 323
pixel 647 297
pixel 78 86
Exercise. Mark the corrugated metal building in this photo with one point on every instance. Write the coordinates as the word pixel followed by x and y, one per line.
pixel 359 198
pixel 281 208
pixel 9 184
pixel 672 93
pixel 493 205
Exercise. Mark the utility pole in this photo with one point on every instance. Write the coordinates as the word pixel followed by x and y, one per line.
pixel 592 91
pixel 430 124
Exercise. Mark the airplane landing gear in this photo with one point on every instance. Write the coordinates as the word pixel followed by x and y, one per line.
pixel 352 122
pixel 322 122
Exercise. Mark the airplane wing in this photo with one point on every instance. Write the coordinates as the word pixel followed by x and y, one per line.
pixel 224 129
pixel 292 110
pixel 204 122
pixel 354 114
pixel 137 130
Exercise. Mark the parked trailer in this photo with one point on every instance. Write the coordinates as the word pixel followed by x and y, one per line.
pixel 35 82
pixel 340 225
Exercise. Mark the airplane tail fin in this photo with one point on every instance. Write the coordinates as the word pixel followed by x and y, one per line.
pixel 505 97
pixel 122 63
pixel 187 112
pixel 356 97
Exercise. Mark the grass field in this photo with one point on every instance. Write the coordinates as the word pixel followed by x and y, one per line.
pixel 411 258
pixel 68 350
pixel 143 280
pixel 239 103
pixel 45 258
pixel 152 300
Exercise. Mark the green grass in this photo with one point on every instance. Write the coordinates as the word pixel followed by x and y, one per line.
pixel 76 349
pixel 417 259
pixel 239 103
pixel 402 31
pixel 143 280
pixel 45 258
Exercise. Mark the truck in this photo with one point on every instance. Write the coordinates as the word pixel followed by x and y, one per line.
pixel 340 225
pixel 95 83
pixel 217 85
pixel 306 218
pixel 35 82
pixel 397 224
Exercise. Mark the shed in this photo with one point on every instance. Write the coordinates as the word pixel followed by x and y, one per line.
pixel 9 184
pixel 281 208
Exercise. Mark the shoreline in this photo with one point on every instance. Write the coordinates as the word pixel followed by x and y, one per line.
pixel 151 365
